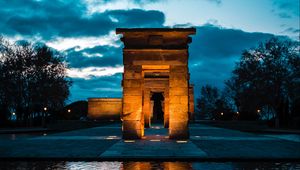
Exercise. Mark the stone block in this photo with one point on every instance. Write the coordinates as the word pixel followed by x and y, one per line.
pixel 178 91
pixel 178 130
pixel 183 100
pixel 131 83
pixel 129 125
pixel 104 108
pixel 183 69
pixel 132 91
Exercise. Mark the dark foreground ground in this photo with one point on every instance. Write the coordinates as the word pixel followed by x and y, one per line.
pixel 104 143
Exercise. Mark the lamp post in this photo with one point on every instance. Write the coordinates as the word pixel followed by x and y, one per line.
pixel 43 118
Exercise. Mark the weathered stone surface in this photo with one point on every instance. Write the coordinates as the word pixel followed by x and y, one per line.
pixel 131 83
pixel 155 61
pixel 178 130
pixel 104 108
pixel 182 100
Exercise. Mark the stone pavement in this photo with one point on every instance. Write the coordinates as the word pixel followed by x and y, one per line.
pixel 105 143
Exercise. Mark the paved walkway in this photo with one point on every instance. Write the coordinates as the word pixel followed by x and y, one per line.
pixel 105 143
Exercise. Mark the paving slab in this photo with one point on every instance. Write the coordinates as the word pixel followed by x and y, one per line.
pixel 105 143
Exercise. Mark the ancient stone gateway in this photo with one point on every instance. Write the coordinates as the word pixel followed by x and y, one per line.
pixel 156 80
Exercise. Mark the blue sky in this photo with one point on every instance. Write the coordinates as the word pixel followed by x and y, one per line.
pixel 84 32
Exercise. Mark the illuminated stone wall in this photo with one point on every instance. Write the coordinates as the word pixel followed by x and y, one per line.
pixel 156 61
pixel 104 108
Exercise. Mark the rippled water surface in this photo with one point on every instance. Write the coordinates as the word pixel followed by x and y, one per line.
pixel 147 165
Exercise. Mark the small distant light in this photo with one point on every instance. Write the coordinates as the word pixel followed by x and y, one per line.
pixel 258 111
pixel 197 136
pixel 69 110
pixel 45 134
pixel 181 141
pixel 237 113
pixel 166 137
pixel 155 140
pixel 129 141
pixel 222 113
pixel 157 135
pixel 45 108
pixel 110 138
pixel 13 113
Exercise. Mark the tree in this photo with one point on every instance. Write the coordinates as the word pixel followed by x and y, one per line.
pixel 33 77
pixel 267 77
pixel 212 104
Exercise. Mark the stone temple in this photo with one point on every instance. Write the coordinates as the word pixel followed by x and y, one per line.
pixel 155 83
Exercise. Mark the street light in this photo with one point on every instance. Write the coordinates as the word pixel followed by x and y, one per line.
pixel 222 113
pixel 45 108
pixel 13 113
pixel 69 110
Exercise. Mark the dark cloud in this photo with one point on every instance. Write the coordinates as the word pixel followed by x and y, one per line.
pixel 216 42
pixel 292 30
pixel 286 8
pixel 213 54
pixel 108 86
pixel 218 2
pixel 50 19
pixel 111 56
pixel 214 51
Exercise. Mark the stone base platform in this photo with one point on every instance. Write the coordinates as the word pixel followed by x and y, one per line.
pixel 104 143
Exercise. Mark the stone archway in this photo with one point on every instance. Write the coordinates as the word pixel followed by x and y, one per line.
pixel 156 60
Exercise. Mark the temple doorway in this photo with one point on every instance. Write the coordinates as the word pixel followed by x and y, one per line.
pixel 157 108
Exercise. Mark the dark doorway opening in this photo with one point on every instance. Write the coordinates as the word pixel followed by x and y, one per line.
pixel 157 100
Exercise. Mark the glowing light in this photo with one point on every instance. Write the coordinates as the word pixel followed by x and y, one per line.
pixel 129 141
pixel 69 110
pixel 155 140
pixel 109 138
pixel 197 136
pixel 112 136
pixel 237 113
pixel 222 113
pixel 181 141
pixel 45 134
pixel 45 108
pixel 258 111
pixel 13 113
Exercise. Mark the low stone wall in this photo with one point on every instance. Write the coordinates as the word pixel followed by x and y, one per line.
pixel 104 108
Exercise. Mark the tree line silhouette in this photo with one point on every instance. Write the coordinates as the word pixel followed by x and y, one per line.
pixel 34 83
pixel 265 84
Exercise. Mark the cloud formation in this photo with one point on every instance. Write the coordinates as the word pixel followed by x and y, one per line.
pixel 214 51
pixel 94 53
pixel 52 19
pixel 286 9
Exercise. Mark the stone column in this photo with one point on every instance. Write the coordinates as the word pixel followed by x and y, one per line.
pixel 146 107
pixel 166 108
pixel 178 99
pixel 133 125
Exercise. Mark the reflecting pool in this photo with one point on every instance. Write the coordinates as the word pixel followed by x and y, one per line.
pixel 64 165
